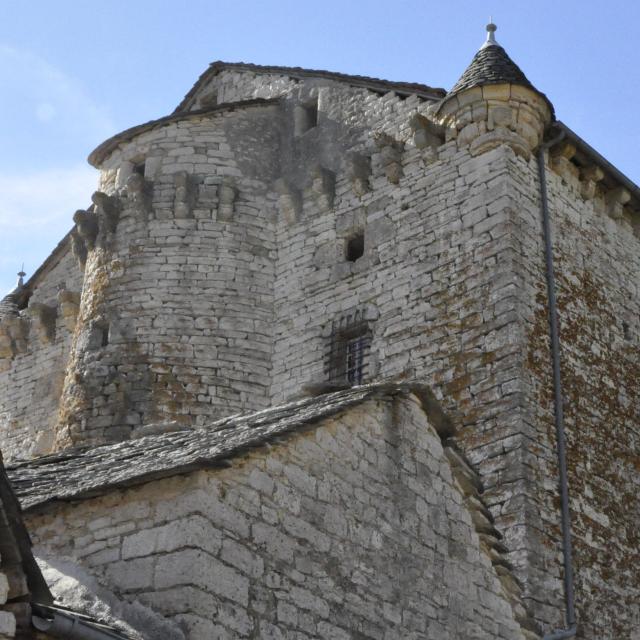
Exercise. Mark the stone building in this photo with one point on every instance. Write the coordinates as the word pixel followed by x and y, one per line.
pixel 292 374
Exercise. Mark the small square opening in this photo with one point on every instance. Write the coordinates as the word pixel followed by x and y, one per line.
pixel 139 168
pixel 354 247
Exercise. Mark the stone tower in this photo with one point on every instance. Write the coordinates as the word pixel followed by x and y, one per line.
pixel 494 104
pixel 174 318
pixel 289 231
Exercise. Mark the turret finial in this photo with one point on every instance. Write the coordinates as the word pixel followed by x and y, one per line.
pixel 21 275
pixel 491 39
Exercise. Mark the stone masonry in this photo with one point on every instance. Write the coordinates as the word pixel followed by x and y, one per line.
pixel 341 531
pixel 286 232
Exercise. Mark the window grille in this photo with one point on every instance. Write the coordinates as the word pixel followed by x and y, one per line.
pixel 348 357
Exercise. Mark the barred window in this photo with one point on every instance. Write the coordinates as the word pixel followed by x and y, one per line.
pixel 350 344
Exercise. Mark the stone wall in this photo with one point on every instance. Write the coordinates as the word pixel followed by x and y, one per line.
pixel 597 254
pixel 32 374
pixel 354 528
pixel 437 287
pixel 227 283
pixel 176 312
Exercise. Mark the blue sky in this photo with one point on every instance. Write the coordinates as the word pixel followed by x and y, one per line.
pixel 74 72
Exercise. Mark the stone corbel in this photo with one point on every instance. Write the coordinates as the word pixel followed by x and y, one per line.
pixel 359 171
pixel 589 178
pixel 125 170
pixel 43 321
pixel 323 187
pixel 184 198
pixel 227 194
pixel 138 194
pixel 290 200
pixel 107 210
pixel 390 157
pixel 6 348
pixel 86 227
pixel 78 248
pixel 426 134
pixel 69 303
pixel 561 163
pixel 615 200
pixel 13 337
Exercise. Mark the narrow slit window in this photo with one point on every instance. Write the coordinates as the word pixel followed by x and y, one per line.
pixel 354 247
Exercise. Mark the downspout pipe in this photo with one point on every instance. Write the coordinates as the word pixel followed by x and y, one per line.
pixel 571 629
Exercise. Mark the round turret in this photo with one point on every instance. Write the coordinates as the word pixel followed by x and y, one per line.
pixel 494 103
pixel 175 314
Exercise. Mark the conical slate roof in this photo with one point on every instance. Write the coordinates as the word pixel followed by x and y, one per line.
pixel 491 65
pixel 9 305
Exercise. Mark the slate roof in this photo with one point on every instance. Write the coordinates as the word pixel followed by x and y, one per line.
pixel 375 84
pixel 492 65
pixel 85 473
pixel 9 305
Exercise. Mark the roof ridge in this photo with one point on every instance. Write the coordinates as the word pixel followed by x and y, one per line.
pixel 216 67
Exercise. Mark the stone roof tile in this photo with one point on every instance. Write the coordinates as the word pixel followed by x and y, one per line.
pixel 491 65
pixel 74 474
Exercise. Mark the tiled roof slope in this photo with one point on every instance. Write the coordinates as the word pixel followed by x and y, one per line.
pixel 491 65
pixel 85 473
pixel 9 305
pixel 375 84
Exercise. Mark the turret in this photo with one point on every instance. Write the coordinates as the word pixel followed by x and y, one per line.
pixel 493 103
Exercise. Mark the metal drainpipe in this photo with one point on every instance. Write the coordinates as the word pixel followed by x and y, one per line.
pixel 571 630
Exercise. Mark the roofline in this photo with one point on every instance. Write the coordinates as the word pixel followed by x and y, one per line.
pixel 530 87
pixel 366 82
pixel 600 160
pixel 102 151
pixel 49 263
pixel 337 402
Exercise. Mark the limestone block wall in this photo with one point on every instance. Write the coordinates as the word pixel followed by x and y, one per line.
pixel 354 528
pixel 32 373
pixel 597 254
pixel 341 107
pixel 438 286
pixel 176 310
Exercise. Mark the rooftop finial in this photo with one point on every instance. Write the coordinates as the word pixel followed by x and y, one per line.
pixel 21 275
pixel 491 39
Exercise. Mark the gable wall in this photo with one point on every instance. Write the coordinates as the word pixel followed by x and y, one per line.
pixel 341 532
